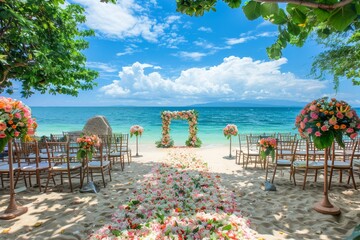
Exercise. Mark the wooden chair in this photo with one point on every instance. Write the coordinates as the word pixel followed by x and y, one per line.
pixel 62 164
pixel 308 163
pixel 252 151
pixel 30 163
pixel 124 146
pixel 239 151
pixel 284 156
pixel 343 162
pixel 98 164
pixel 114 151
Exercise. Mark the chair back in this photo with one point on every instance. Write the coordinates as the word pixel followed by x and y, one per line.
pixel 252 142
pixel 58 152
pixel 286 149
pixel 345 154
pixel 27 152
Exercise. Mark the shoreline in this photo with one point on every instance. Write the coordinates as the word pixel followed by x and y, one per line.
pixel 286 213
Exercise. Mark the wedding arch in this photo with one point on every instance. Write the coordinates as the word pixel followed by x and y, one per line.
pixel 191 116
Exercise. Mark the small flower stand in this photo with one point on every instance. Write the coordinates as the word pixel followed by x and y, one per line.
pixel 137 147
pixel 90 186
pixel 13 210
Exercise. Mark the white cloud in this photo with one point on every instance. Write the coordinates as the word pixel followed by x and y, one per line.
pixel 196 56
pixel 126 19
pixel 101 66
pixel 128 50
pixel 233 41
pixel 233 79
pixel 205 29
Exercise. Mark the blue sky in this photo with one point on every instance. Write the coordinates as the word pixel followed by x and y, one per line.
pixel 148 54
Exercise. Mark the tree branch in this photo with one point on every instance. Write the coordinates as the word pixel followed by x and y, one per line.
pixel 6 72
pixel 310 4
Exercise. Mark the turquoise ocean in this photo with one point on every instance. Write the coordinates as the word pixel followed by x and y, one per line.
pixel 55 120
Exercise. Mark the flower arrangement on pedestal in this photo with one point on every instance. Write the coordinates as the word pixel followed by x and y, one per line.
pixel 136 130
pixel 267 146
pixel 15 121
pixel 87 144
pixel 230 130
pixel 324 121
pixel 191 116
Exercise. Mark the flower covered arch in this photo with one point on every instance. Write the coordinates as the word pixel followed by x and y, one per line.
pixel 191 116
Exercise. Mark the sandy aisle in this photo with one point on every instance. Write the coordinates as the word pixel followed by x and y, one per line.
pixel 284 214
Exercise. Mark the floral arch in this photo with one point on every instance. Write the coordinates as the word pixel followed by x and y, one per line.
pixel 191 116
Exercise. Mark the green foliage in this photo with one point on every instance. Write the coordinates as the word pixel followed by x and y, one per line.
pixel 298 20
pixel 340 59
pixel 40 46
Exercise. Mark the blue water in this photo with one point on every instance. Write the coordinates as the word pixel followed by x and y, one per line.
pixel 210 123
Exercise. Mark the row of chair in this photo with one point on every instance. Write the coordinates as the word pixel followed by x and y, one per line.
pixel 56 156
pixel 301 156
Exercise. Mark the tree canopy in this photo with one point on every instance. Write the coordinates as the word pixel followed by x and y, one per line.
pixel 40 46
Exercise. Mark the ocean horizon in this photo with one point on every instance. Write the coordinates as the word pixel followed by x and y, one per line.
pixel 212 120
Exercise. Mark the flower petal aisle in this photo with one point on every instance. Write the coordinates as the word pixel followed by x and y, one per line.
pixel 179 199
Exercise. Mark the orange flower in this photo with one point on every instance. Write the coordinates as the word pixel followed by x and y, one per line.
pixel 13 126
pixel 336 127
pixel 343 126
pixel 326 112
pixel 10 122
pixel 331 112
pixel 318 124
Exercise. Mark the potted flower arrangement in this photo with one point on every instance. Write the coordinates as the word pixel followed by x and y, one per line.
pixel 15 122
pixel 136 130
pixel 323 121
pixel 87 144
pixel 267 146
pixel 230 130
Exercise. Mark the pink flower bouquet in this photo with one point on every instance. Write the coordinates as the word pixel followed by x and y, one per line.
pixel 87 144
pixel 15 121
pixel 136 130
pixel 325 120
pixel 230 130
pixel 267 146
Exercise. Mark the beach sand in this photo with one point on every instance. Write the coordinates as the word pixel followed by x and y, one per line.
pixel 283 214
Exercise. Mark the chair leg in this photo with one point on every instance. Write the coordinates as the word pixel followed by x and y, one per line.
pixel 340 176
pixel 110 173
pixel 38 179
pixel 47 181
pixel 103 178
pixel 294 171
pixel 316 172
pixel 70 183
pixel 305 176
pixel 331 174
pixel 272 181
pixel 352 177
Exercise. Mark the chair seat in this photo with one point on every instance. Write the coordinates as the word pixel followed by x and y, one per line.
pixel 283 162
pixel 63 166
pixel 302 164
pixel 356 162
pixel 32 167
pixel 97 164
pixel 339 164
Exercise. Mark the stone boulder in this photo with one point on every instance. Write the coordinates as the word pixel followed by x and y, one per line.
pixel 98 125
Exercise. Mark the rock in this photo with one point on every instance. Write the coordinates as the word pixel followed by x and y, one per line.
pixel 269 186
pixel 98 125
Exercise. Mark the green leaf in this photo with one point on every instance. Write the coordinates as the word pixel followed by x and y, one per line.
pixel 279 18
pixel 342 18
pixel 252 10
pixel 357 7
pixel 339 139
pixel 293 29
pixel 321 14
pixel 227 227
pixel 116 232
pixel 268 9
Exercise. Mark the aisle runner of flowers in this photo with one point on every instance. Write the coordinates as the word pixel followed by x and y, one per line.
pixel 179 199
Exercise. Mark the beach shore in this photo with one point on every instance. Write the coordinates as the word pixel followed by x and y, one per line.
pixel 284 214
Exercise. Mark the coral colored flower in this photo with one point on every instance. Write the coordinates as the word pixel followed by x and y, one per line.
pixel 313 107
pixel 349 114
pixel 318 124
pixel 302 125
pixel 332 120
pixel 353 135
pixel 342 126
pixel 16 133
pixel 2 126
pixel 350 130
pixel 314 116
pixel 339 115
pixel 324 128
pixel 336 127
pixel 317 133
pixel 309 130
pixel 2 135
